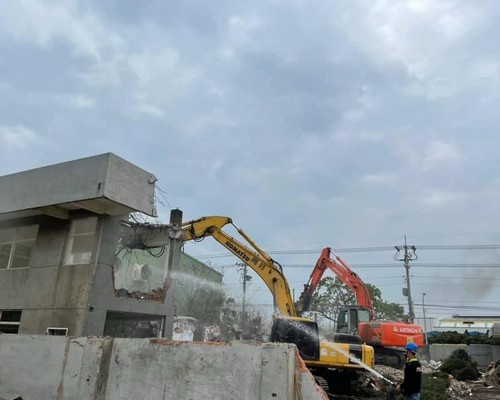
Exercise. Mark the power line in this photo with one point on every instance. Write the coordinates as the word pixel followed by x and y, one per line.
pixel 460 247
pixel 436 306
pixel 448 278
pixel 474 302
pixel 396 265
pixel 367 249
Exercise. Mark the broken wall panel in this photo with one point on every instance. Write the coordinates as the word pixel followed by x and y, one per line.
pixel 140 270
pixel 140 274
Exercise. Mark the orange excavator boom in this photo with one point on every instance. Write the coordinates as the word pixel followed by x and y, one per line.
pixel 345 274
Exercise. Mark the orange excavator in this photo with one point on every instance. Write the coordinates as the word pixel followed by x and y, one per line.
pixel 388 338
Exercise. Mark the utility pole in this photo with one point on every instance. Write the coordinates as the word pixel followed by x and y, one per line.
pixel 409 255
pixel 425 324
pixel 244 279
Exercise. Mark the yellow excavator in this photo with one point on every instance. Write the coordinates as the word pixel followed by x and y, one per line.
pixel 337 366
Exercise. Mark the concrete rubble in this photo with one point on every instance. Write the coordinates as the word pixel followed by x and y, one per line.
pixel 491 376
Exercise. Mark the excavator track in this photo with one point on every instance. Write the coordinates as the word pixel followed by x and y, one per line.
pixel 390 357
pixel 322 383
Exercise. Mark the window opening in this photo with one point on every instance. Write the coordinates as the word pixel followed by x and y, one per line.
pixel 57 331
pixel 16 246
pixel 9 321
pixel 140 269
pixel 81 241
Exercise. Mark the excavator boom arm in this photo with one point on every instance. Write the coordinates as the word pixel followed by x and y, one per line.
pixel 324 357
pixel 351 279
pixel 256 258
pixel 310 287
pixel 343 272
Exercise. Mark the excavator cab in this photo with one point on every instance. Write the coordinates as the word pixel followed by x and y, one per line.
pixel 349 318
pixel 301 332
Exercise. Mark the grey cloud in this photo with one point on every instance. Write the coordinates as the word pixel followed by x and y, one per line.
pixel 273 113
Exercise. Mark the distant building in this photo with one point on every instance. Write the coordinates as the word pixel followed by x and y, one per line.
pixel 70 265
pixel 495 330
pixel 470 324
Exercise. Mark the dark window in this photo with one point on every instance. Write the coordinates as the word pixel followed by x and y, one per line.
pixel 9 321
pixel 57 331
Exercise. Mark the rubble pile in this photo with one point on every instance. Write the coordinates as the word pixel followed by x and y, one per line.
pixel 155 295
pixel 491 376
pixel 457 390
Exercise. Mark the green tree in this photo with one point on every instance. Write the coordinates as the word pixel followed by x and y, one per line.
pixel 384 310
pixel 329 298
pixel 461 366
pixel 332 295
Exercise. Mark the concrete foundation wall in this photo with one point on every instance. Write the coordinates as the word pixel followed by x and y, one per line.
pixel 439 352
pixel 483 354
pixel 495 352
pixel 50 367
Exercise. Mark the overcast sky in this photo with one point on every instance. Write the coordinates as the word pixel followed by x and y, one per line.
pixel 346 124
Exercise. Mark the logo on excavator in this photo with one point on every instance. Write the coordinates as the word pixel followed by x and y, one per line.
pixel 237 251
pixel 405 330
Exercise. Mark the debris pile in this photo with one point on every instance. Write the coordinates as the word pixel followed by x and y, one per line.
pixel 491 376
pixel 457 390
pixel 155 296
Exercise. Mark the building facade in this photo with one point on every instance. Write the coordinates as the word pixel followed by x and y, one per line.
pixel 472 324
pixel 68 265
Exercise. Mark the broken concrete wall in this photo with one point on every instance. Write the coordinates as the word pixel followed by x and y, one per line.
pixel 103 295
pixel 140 369
pixel 50 367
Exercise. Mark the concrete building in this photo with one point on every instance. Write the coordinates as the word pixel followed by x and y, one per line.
pixel 69 265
